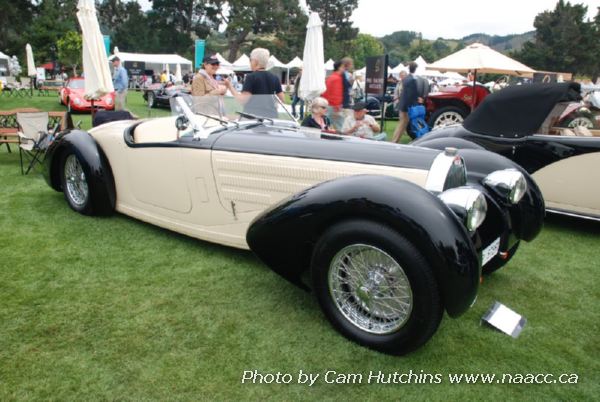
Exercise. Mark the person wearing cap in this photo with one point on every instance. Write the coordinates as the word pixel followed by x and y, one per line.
pixel 360 124
pixel 121 83
pixel 204 82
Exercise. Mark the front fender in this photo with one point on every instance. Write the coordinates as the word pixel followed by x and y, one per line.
pixel 284 236
pixel 93 161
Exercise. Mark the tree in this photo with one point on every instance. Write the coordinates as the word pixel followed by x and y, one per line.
pixel 364 46
pixel 129 27
pixel 338 32
pixel 278 25
pixel 564 41
pixel 11 39
pixel 51 20
pixel 69 50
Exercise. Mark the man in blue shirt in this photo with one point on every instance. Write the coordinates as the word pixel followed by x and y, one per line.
pixel 121 83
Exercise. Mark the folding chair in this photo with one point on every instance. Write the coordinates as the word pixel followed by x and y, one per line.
pixel 33 137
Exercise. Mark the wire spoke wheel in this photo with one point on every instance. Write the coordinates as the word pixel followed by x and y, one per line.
pixel 370 289
pixel 75 180
pixel 581 121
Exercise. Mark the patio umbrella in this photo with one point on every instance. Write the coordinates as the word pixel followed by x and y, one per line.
pixel 313 76
pixel 178 75
pixel 98 80
pixel 480 58
pixel 30 62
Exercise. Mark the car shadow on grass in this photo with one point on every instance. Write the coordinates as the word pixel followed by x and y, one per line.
pixel 580 225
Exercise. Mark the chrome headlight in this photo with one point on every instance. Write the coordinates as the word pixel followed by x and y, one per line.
pixel 447 171
pixel 468 203
pixel 510 183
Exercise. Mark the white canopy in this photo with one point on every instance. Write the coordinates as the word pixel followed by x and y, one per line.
pixel 242 64
pixel 224 71
pixel 328 65
pixel 313 76
pixel 295 63
pixel 4 56
pixel 222 60
pixel 155 58
pixel 481 58
pixel 275 63
pixel 98 80
pixel 398 69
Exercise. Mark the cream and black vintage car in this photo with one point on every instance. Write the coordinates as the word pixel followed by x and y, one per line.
pixel 387 236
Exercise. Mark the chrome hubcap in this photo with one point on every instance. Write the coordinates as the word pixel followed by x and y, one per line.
pixel 77 188
pixel 370 289
pixel 448 118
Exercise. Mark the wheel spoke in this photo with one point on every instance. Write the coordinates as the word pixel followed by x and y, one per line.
pixel 370 289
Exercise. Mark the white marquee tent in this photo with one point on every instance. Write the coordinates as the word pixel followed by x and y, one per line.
pixel 158 62
pixel 275 63
pixel 242 64
pixel 223 61
pixel 295 63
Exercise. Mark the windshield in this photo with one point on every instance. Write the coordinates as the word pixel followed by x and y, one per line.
pixel 77 84
pixel 233 110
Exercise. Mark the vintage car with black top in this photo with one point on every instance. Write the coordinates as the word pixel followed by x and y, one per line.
pixel 522 123
pixel 160 95
pixel 387 236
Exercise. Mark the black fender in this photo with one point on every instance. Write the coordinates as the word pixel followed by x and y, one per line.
pixel 95 165
pixel 527 217
pixel 284 236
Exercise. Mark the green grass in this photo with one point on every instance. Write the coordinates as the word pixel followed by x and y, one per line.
pixel 115 309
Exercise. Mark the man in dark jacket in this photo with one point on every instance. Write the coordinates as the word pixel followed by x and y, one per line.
pixel 409 97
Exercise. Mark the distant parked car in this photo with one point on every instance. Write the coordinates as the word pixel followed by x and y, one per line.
pixel 159 95
pixel 71 95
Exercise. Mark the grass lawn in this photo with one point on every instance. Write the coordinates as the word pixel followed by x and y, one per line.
pixel 116 309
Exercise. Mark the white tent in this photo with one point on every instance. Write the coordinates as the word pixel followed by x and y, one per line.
pixel 329 65
pixel 157 62
pixel 421 65
pixel 242 64
pixel 295 63
pixel 275 63
pixel 4 56
pixel 224 71
pixel 222 60
pixel 398 69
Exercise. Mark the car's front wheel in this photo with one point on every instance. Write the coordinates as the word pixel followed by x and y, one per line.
pixel 375 287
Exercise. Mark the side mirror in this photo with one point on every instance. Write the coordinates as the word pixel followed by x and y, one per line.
pixel 182 123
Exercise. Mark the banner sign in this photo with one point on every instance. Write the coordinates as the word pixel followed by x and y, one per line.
pixel 200 45
pixel 107 44
pixel 376 75
pixel 135 67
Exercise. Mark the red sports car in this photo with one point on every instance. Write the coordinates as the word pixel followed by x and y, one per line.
pixel 71 95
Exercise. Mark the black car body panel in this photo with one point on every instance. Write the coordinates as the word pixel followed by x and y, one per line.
pixel 281 235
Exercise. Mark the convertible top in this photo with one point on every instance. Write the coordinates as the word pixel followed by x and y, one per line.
pixel 519 110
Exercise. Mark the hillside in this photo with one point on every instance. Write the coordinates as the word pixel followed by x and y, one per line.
pixel 501 43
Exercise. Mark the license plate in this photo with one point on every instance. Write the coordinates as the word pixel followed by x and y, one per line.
pixel 490 251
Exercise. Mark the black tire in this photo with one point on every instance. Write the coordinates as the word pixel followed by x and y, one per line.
pixel 497 262
pixel 423 319
pixel 438 116
pixel 151 99
pixel 71 184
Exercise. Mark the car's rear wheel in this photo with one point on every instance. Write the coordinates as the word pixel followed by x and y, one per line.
pixel 447 116
pixel 151 99
pixel 75 184
pixel 375 287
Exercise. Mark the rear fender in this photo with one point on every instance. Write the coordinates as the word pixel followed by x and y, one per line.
pixel 94 163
